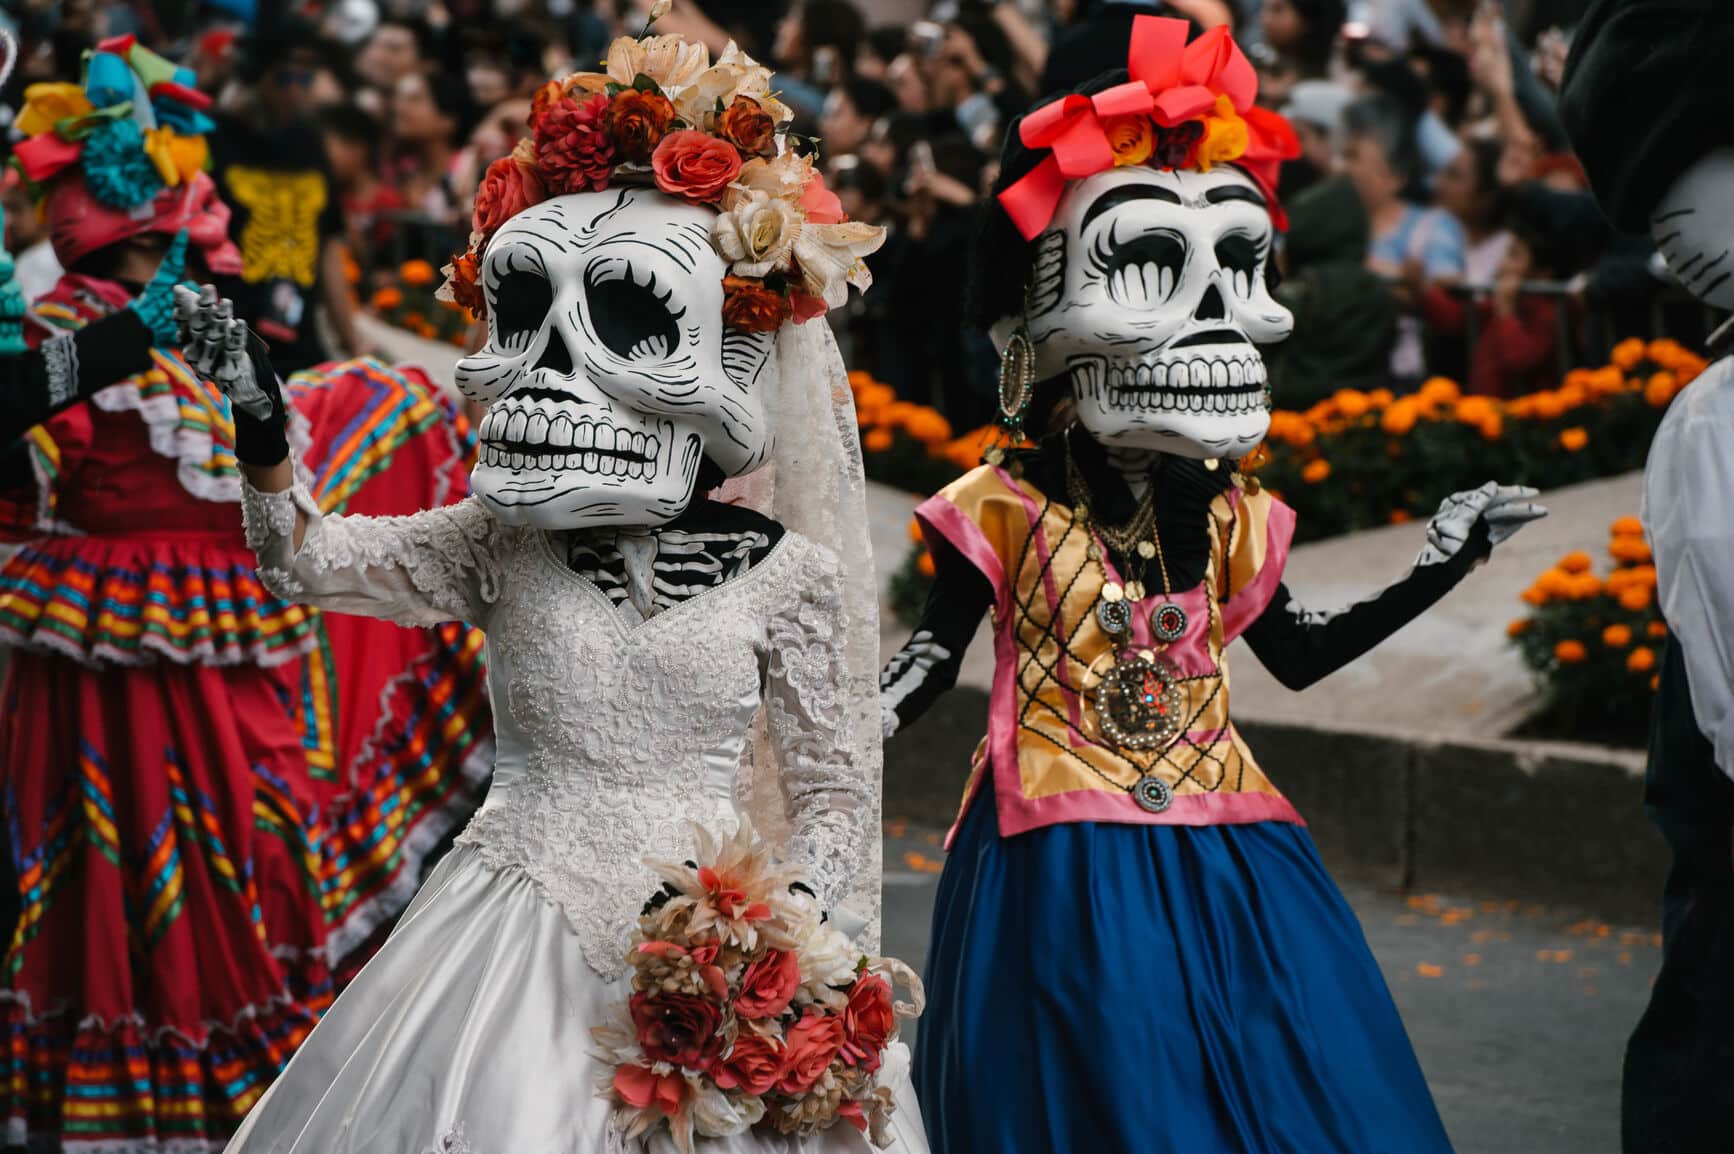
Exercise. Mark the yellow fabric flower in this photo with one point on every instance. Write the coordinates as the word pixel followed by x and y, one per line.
pixel 177 158
pixel 1131 139
pixel 46 105
pixel 1225 136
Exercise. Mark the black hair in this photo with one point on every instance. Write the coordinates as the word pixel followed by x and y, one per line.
pixel 353 124
pixel 903 129
pixel 451 95
pixel 1001 261
pixel 1485 152
pixel 1448 73
pixel 888 41
pixel 426 39
pixel 274 41
pixel 834 24
pixel 1387 120
pixel 870 98
pixel 1324 20
pixel 849 173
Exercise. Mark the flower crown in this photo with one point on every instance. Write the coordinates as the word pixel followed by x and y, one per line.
pixel 663 114
pixel 134 127
pixel 1186 106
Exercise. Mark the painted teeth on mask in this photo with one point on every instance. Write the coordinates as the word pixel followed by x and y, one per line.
pixel 1228 385
pixel 520 439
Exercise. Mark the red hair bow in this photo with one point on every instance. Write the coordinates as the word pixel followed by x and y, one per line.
pixel 1171 82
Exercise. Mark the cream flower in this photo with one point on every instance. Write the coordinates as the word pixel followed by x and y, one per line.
pixel 669 60
pixel 697 102
pixel 783 178
pixel 754 80
pixel 830 257
pixel 757 235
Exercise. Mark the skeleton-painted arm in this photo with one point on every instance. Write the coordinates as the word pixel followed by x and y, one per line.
pixel 927 665
pixel 1301 646
pixel 829 787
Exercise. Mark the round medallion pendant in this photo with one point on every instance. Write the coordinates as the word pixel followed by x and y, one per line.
pixel 1168 622
pixel 1153 794
pixel 1139 702
pixel 1114 616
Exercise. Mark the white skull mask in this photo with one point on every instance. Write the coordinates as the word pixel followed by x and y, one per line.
pixel 1690 228
pixel 1149 290
pixel 608 373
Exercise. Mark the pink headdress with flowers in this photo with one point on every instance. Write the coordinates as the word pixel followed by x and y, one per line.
pixel 662 114
pixel 122 154
pixel 1186 106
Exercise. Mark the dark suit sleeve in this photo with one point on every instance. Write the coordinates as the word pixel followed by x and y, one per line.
pixel 69 368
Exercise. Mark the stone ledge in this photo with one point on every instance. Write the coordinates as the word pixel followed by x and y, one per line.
pixel 1537 822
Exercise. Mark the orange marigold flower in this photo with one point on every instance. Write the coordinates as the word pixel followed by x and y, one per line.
pixel 1635 598
pixel 1570 652
pixel 1555 582
pixel 1400 418
pixel 1518 627
pixel 1351 404
pixel 1641 660
pixel 1660 390
pixel 1617 636
pixel 1574 439
pixel 1401 516
pixel 387 298
pixel 1656 629
pixel 1628 527
pixel 1655 682
pixel 1585 586
pixel 1536 595
pixel 1628 353
pixel 1576 561
pixel 877 440
pixel 1522 408
pixel 1440 391
pixel 925 564
pixel 1381 398
pixel 1316 471
pixel 416 273
pixel 915 530
pixel 1493 427
pixel 1629 550
pixel 1549 406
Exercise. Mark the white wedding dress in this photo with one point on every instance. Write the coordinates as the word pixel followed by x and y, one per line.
pixel 469 1032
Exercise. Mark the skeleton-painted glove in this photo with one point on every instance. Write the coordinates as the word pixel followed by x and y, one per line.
pixel 1493 511
pixel 156 304
pixel 222 349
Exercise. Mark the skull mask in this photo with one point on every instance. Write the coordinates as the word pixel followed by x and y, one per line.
pixel 1149 291
pixel 608 374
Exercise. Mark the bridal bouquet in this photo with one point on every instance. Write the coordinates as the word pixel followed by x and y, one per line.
pixel 747 1008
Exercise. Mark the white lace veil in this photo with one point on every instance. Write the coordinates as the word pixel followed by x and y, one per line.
pixel 813 485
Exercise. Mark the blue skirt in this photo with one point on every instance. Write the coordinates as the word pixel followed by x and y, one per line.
pixel 1134 989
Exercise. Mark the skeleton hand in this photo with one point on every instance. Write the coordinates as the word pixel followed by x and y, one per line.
pixel 222 349
pixel 1503 509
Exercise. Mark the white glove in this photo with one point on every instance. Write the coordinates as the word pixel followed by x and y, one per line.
pixel 1504 508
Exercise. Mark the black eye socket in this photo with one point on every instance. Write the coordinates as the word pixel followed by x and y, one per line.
pixel 1239 256
pixel 1144 270
pixel 521 303
pixel 632 319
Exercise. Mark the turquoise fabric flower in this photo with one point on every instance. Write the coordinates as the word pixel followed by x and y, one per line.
pixel 116 169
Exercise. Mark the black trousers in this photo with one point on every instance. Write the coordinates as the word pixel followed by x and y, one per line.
pixel 1678 1092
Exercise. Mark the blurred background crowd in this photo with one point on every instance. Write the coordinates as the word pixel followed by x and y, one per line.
pixel 1439 224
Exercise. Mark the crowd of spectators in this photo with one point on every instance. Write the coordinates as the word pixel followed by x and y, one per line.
pixel 1439 224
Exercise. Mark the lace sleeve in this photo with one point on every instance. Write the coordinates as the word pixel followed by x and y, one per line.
pixel 433 566
pixel 829 797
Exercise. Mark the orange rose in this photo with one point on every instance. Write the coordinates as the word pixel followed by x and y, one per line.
pixel 753 1065
pixel 812 1044
pixel 1641 660
pixel 1316 471
pixel 868 1021
pixel 637 121
pixel 1617 636
pixel 1570 652
pixel 1573 440
pixel 769 985
pixel 747 125
pixel 750 307
pixel 1131 139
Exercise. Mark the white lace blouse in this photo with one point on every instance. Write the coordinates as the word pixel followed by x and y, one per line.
pixel 612 734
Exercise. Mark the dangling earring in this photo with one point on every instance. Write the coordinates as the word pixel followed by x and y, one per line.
pixel 1017 378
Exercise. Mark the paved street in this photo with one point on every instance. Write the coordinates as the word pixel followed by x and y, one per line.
pixel 1519 1013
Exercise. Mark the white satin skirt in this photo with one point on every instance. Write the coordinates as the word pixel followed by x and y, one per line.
pixel 469 1033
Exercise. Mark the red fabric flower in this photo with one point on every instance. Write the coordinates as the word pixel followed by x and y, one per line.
pixel 695 165
pixel 753 1066
pixel 572 146
pixel 750 307
pixel 868 1021
pixel 508 188
pixel 769 985
pixel 821 205
pixel 812 1046
pixel 638 1086
pixel 464 281
pixel 677 1028
pixel 850 1112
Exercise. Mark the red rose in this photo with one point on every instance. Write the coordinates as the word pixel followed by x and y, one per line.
pixel 677 1028
pixel 810 1048
pixel 507 189
pixel 868 1021
pixel 638 1086
pixel 695 165
pixel 768 985
pixel 753 1066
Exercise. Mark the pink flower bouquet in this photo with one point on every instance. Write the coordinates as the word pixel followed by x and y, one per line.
pixel 749 1009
